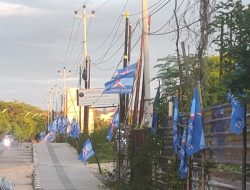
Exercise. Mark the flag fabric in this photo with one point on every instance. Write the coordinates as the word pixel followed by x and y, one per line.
pixel 176 140
pixel 74 129
pixel 114 124
pixel 129 69
pixel 195 138
pixel 50 137
pixel 50 127
pixel 238 115
pixel 60 125
pixel 121 84
pixel 64 125
pixel 55 124
pixel 183 156
pixel 87 151
pixel 42 135
pixel 155 116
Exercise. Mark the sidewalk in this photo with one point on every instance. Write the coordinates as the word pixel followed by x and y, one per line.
pixel 56 167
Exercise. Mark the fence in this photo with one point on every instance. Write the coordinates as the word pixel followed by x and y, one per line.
pixel 223 155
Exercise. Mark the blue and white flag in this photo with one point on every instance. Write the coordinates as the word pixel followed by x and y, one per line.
pixel 238 115
pixel 121 84
pixel 155 116
pixel 129 69
pixel 64 125
pixel 87 151
pixel 50 127
pixel 183 157
pixel 114 124
pixel 55 124
pixel 176 140
pixel 195 138
pixel 74 129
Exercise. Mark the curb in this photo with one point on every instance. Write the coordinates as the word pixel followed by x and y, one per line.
pixel 37 183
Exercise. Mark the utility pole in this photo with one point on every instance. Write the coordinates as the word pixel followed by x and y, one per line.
pixel 123 101
pixel 146 71
pixel 85 74
pixel 64 74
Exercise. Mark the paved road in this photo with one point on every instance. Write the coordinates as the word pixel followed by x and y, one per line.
pixel 16 165
pixel 57 168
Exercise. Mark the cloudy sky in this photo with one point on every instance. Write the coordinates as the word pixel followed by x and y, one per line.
pixel 40 37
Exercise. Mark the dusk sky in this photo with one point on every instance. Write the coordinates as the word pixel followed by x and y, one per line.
pixel 35 36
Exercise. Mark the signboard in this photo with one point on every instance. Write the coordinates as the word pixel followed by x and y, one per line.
pixel 94 97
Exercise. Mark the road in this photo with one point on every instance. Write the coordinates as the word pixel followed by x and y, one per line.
pixel 56 167
pixel 16 165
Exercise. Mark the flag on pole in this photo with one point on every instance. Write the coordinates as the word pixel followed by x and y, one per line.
pixel 176 140
pixel 121 84
pixel 155 111
pixel 129 69
pixel 114 124
pixel 55 125
pixel 195 138
pixel 183 156
pixel 238 115
pixel 87 151
pixel 74 129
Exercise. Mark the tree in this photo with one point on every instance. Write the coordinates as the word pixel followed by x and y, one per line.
pixel 234 45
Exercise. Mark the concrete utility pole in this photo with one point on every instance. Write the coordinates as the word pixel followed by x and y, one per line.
pixel 85 74
pixel 64 74
pixel 56 91
pixel 146 71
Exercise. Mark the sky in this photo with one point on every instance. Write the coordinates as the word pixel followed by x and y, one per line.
pixel 38 38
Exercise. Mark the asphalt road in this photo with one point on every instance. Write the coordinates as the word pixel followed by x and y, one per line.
pixel 16 165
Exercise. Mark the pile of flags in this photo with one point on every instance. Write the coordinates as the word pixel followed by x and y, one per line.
pixel 193 139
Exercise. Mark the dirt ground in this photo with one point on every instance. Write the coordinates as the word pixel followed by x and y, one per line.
pixel 16 165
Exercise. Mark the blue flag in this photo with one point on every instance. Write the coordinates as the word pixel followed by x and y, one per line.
pixel 64 125
pixel 114 124
pixel 183 156
pixel 87 151
pixel 129 69
pixel 121 84
pixel 50 127
pixel 55 125
pixel 74 129
pixel 238 115
pixel 155 111
pixel 195 138
pixel 176 140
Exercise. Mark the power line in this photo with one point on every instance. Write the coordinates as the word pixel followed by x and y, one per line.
pixel 111 43
pixel 164 33
pixel 101 6
pixel 74 42
pixel 116 23
pixel 67 50
pixel 158 9
pixel 139 13
pixel 132 33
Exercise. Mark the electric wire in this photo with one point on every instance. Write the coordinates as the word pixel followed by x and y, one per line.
pixel 101 6
pixel 116 66
pixel 169 20
pixel 139 13
pixel 67 50
pixel 74 42
pixel 172 31
pixel 111 43
pixel 132 33
pixel 158 9
pixel 113 28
